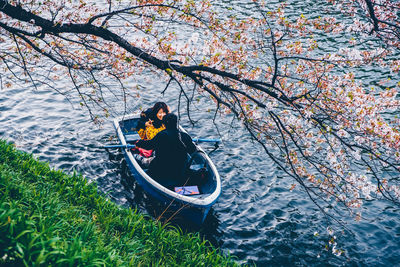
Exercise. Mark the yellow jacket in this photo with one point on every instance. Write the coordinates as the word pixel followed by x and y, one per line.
pixel 149 132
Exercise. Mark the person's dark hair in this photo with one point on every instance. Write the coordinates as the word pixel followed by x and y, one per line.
pixel 171 121
pixel 157 106
pixel 154 110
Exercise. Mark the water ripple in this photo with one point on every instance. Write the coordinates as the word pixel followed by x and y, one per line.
pixel 257 218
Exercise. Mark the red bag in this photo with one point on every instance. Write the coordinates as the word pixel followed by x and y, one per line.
pixel 144 152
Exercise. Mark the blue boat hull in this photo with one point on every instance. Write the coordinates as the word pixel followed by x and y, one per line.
pixel 193 208
pixel 194 214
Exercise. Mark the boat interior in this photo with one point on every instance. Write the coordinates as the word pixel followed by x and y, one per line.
pixel 199 171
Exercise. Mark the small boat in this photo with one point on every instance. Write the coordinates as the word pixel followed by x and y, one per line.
pixel 190 204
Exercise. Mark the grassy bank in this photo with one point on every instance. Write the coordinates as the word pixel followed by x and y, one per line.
pixel 50 218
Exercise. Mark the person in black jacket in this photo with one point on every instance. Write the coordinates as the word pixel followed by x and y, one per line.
pixel 171 153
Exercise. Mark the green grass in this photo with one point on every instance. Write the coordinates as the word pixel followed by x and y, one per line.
pixel 49 218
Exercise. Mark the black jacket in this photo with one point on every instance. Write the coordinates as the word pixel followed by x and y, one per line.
pixel 171 157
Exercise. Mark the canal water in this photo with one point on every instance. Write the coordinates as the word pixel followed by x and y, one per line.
pixel 257 219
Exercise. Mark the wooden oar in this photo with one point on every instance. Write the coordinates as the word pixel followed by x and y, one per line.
pixel 196 140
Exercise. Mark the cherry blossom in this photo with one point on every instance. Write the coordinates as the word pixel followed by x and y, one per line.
pixel 337 137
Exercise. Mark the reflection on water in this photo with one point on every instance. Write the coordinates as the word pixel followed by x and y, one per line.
pixel 257 219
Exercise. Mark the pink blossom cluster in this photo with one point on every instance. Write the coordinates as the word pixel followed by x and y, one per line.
pixel 335 136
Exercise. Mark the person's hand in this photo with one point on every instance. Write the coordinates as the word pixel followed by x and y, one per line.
pixel 149 123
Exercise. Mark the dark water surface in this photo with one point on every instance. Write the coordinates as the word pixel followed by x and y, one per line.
pixel 257 218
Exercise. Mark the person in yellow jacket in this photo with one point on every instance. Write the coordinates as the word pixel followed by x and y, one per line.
pixel 151 121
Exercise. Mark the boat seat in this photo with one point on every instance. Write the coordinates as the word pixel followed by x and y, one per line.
pixel 132 137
